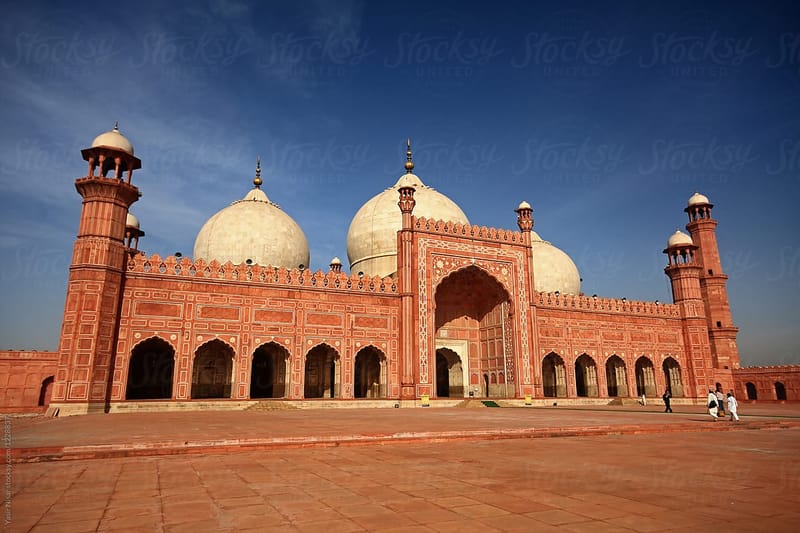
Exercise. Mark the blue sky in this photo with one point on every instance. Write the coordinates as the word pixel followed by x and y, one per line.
pixel 606 118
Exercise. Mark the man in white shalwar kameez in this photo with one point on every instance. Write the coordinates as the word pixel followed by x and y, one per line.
pixel 733 407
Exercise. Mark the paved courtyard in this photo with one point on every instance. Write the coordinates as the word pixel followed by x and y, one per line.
pixel 646 472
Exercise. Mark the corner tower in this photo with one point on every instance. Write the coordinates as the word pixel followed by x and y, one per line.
pixel 721 330
pixel 91 313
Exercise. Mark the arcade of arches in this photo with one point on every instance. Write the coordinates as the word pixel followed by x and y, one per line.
pixel 151 373
pixel 556 381
pixel 152 362
pixel 473 308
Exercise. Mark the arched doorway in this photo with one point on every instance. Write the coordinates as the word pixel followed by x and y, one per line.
pixel 212 373
pixel 322 372
pixel 268 372
pixel 150 370
pixel 645 377
pixel 615 377
pixel 449 374
pixel 474 309
pixel 752 394
pixel 780 391
pixel 46 391
pixel 672 377
pixel 554 376
pixel 369 380
pixel 585 377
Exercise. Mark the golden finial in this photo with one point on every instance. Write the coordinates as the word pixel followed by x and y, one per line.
pixel 257 180
pixel 409 163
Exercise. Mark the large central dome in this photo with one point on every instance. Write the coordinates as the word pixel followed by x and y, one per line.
pixel 253 230
pixel 372 237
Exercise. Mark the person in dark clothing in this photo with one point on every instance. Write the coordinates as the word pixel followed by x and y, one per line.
pixel 666 397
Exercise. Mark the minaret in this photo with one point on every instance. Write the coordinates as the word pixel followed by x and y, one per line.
pixel 721 329
pixel 405 274
pixel 525 223
pixel 91 313
pixel 684 274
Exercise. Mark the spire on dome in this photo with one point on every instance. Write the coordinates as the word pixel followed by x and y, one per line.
pixel 257 180
pixel 116 125
pixel 409 163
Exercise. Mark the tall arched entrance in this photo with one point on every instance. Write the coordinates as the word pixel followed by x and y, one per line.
pixel 672 377
pixel 616 377
pixel 150 370
pixel 473 308
pixel 554 376
pixel 752 393
pixel 585 376
pixel 370 376
pixel 449 374
pixel 269 371
pixel 780 391
pixel 645 377
pixel 322 373
pixel 46 391
pixel 212 373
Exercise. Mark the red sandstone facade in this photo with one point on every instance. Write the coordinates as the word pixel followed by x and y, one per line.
pixel 461 319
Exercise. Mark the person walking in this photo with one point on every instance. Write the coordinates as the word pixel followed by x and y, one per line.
pixel 733 407
pixel 712 404
pixel 666 397
pixel 720 402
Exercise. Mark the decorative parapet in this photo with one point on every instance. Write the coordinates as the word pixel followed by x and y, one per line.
pixel 605 305
pixel 266 275
pixel 468 230
pixel 28 355
pixel 767 369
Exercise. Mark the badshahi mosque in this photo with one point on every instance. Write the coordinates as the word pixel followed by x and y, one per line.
pixel 434 311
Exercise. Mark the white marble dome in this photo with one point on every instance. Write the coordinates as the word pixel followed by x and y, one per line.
pixel 372 237
pixel 113 139
pixel 678 238
pixel 256 229
pixel 698 198
pixel 553 270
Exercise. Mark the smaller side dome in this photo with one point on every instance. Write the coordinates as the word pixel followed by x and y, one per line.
pixel 679 238
pixel 131 221
pixel 553 269
pixel 698 198
pixel 113 139
pixel 336 261
pixel 524 205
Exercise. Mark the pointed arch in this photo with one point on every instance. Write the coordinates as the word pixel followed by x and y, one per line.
pixel 554 376
pixel 370 373
pixel 488 291
pixel 645 377
pixel 616 377
pixel 322 374
pixel 46 391
pixel 449 374
pixel 585 376
pixel 752 392
pixel 151 369
pixel 780 391
pixel 212 370
pixel 672 377
pixel 269 371
pixel 475 308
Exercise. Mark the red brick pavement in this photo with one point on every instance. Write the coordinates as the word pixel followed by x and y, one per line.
pixel 136 434
pixel 731 481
